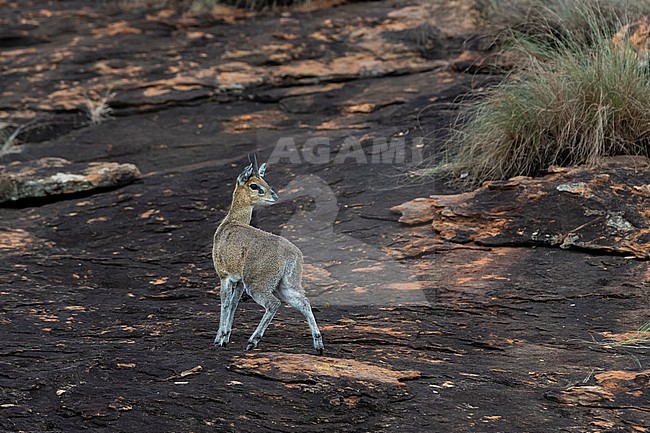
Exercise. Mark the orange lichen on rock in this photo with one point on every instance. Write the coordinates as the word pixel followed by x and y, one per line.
pixel 614 388
pixel 265 119
pixel 617 379
pixel 14 239
pixel 115 29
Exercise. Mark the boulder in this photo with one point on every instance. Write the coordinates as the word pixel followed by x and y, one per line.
pixel 57 177
pixel 602 209
pixel 611 389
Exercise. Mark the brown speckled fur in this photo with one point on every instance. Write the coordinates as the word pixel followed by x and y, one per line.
pixel 266 266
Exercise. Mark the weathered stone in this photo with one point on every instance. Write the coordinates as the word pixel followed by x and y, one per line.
pixel 56 176
pixel 611 389
pixel 290 367
pixel 603 209
pixel 319 53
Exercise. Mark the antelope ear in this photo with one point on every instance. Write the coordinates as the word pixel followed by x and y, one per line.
pixel 245 175
pixel 262 170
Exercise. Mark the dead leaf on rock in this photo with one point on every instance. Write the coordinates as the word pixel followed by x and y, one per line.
pixel 361 108
pixel 623 380
pixel 159 281
pixel 185 373
pixel 97 220
pixel 148 213
pixel 115 29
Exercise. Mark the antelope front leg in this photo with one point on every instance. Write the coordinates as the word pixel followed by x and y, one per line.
pixel 226 292
pixel 235 296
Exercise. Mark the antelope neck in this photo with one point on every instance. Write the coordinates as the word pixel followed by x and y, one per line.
pixel 240 210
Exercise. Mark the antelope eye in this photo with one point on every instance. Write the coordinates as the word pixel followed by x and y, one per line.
pixel 256 187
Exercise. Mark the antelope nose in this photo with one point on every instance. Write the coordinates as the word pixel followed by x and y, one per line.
pixel 274 196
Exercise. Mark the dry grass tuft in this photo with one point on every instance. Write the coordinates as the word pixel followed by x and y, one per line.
pixel 575 99
pixel 639 339
pixel 569 20
pixel 97 107
pixel 9 138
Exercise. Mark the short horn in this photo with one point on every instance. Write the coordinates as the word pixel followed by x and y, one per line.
pixel 253 161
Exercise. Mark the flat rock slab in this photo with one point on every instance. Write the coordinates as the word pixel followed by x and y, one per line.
pixel 293 367
pixel 326 47
pixel 603 209
pixel 610 390
pixel 55 176
pixel 114 332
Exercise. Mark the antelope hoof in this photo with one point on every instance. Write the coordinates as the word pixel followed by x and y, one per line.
pixel 221 340
pixel 318 344
pixel 253 341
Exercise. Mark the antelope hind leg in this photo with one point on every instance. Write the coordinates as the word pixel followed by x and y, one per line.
pixel 271 305
pixel 297 299
pixel 226 293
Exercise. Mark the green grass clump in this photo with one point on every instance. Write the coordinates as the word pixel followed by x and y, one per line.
pixel 575 100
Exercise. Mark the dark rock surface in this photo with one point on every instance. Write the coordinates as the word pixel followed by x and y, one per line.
pixel 109 305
